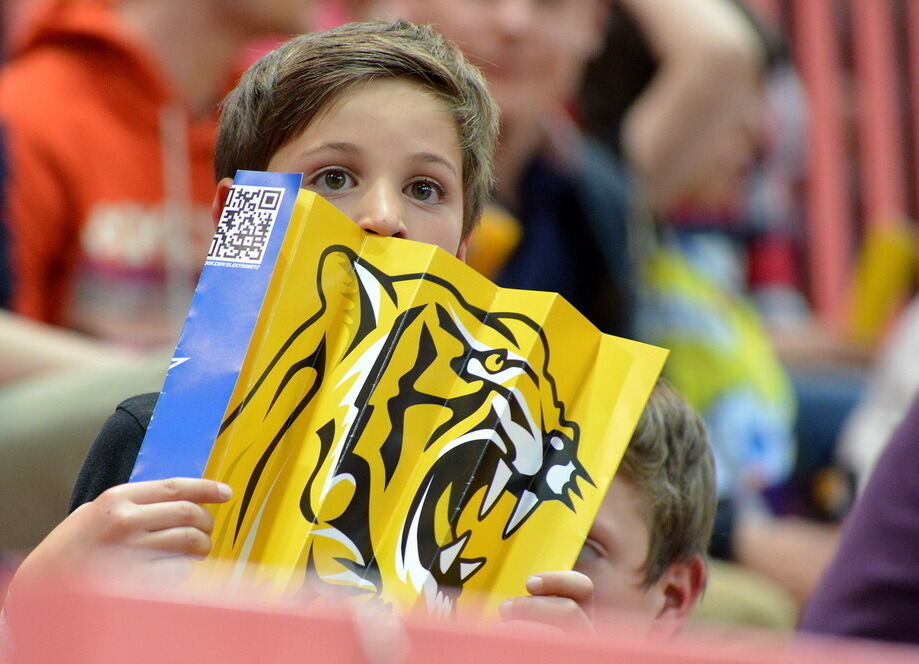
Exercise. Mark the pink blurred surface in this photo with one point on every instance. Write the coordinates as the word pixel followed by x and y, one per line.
pixel 81 624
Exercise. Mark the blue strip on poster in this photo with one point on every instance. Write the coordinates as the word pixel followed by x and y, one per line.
pixel 219 325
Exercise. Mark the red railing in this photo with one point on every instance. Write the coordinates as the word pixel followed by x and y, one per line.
pixel 854 57
pixel 110 627
pixel 828 216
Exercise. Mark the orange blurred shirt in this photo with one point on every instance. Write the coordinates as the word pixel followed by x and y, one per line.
pixel 110 181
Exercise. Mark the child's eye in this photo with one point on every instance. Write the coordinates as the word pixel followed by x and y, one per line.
pixel 590 552
pixel 425 191
pixel 331 180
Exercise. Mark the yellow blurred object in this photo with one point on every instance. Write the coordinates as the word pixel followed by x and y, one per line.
pixel 883 278
pixel 493 241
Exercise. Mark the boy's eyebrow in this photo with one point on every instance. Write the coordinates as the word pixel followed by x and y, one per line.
pixel 335 146
pixel 351 148
pixel 432 157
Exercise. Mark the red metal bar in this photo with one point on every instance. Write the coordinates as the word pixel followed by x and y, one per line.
pixel 879 126
pixel 912 32
pixel 829 219
pixel 109 628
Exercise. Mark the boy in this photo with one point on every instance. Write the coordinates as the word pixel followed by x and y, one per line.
pixel 645 550
pixel 391 125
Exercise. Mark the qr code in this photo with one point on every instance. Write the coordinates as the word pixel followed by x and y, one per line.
pixel 245 225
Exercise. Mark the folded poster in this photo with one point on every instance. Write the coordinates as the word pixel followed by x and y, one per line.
pixel 392 423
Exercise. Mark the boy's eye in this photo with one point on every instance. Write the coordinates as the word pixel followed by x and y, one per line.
pixel 335 179
pixel 425 191
pixel 590 552
pixel 332 180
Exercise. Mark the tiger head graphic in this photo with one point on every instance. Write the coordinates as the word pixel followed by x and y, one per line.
pixel 396 418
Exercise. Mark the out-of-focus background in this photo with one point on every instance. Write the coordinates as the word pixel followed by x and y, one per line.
pixel 769 194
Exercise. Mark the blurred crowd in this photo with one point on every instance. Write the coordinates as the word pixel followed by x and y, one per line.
pixel 652 168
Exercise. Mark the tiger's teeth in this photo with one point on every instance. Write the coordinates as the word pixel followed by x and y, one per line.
pixel 448 555
pixel 500 480
pixel 468 569
pixel 442 606
pixel 351 579
pixel 527 502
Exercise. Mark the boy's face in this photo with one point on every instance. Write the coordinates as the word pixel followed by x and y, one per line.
pixel 615 550
pixel 533 52
pixel 613 556
pixel 386 153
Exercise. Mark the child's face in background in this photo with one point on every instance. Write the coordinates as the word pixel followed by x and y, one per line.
pixel 615 551
pixel 532 52
pixel 386 154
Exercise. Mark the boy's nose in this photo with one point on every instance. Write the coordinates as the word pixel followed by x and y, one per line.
pixel 381 212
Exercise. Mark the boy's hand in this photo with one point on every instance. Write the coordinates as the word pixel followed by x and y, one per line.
pixel 558 599
pixel 135 525
pixel 163 517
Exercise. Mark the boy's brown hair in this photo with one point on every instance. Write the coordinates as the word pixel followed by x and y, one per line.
pixel 285 90
pixel 670 462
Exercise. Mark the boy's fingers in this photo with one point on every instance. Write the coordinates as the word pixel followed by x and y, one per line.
pixel 571 584
pixel 557 611
pixel 161 516
pixel 185 540
pixel 192 489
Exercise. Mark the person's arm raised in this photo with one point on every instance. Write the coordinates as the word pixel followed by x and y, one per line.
pixel 710 63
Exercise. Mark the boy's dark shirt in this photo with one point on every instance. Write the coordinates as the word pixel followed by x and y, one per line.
pixel 112 455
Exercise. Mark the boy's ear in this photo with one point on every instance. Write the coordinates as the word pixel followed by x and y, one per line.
pixel 220 199
pixel 681 587
pixel 463 247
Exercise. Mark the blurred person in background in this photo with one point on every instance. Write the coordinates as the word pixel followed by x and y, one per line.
pixel 578 205
pixel 9 20
pixel 564 200
pixel 109 110
pixel 871 588
pixel 108 117
pixel 723 173
pixel 717 174
pixel 664 78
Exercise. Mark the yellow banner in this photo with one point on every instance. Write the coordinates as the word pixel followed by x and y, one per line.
pixel 404 430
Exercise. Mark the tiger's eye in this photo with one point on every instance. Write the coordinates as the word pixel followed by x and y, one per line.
pixel 494 362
